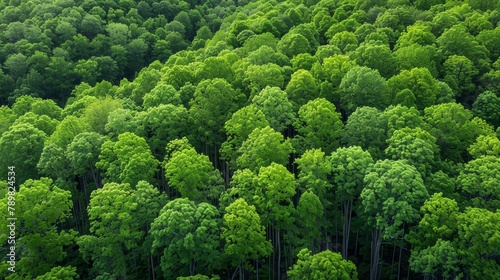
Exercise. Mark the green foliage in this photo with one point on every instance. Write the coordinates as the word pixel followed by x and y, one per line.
pixel 319 126
pixel 324 265
pixel 241 124
pixel 263 147
pixel 362 86
pixel 40 208
pixel 244 235
pixel 193 175
pixel 478 183
pixel 187 237
pixel 366 128
pixel 275 105
pixel 21 146
pixel 213 104
pixel 128 160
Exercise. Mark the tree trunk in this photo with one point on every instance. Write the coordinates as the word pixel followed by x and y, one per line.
pixel 399 262
pixel 346 231
pixel 376 242
pixel 279 253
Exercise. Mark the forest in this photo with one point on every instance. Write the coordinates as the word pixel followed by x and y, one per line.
pixel 249 139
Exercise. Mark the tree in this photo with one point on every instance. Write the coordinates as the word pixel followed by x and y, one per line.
pixel 324 265
pixel 418 56
pixel 237 129
pixel 309 212
pixel 319 126
pixel 213 104
pixel 96 114
pixel 420 82
pixel 301 88
pixel 478 183
pixel 21 146
pixel 487 107
pixel 59 272
pixel 478 242
pixel 362 86
pixel 259 77
pixel 454 128
pixel 161 125
pixel 274 103
pixel 161 94
pixel 314 169
pixel 460 72
pixel 83 153
pixel 485 145
pixel 438 261
pixel 187 236
pixel 244 235
pixel 458 41
pixel 377 57
pixel 293 44
pixel 416 146
pixel 399 117
pixel 438 223
pixel 40 207
pixel 128 160
pixel 114 229
pixel 193 175
pixel 366 128
pixel 349 166
pixel 66 130
pixel 263 147
pixel 393 193
pixel 43 123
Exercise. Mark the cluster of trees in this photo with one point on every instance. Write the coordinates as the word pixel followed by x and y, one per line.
pixel 301 139
pixel 48 47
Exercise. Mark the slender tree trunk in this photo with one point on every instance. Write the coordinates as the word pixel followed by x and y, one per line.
pixel 399 262
pixel 346 231
pixel 279 253
pixel 376 242
pixel 392 262
pixel 356 245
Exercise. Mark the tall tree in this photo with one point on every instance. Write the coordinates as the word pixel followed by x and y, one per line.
pixel 349 166
pixel 244 235
pixel 393 194
pixel 186 235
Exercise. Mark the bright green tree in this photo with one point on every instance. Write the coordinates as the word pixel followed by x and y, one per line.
pixel 349 166
pixel 128 160
pixel 238 127
pixel 40 208
pixel 392 196
pixel 416 146
pixel 362 86
pixel 274 103
pixel 263 147
pixel 319 126
pixel 479 183
pixel 366 128
pixel 193 175
pixel 186 236
pixel 21 147
pixel 244 235
pixel 323 265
